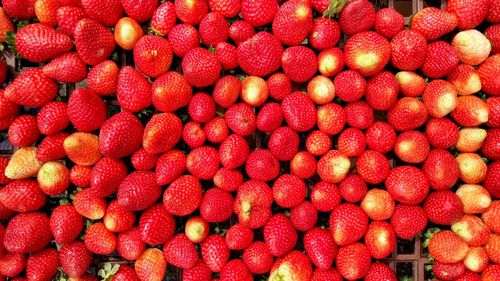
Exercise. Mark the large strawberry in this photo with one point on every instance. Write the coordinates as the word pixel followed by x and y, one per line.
pixel 152 55
pixel 433 22
pixel 299 63
pixel 409 50
pixel 129 244
pixel 182 38
pixel 380 239
pixel 488 72
pixel 22 196
pixel 170 166
pixel 133 90
pixel 233 151
pixel 469 13
pixel 52 118
pixel 443 207
pixel 447 247
pixel 107 13
pixel 183 196
pixel 259 12
pixel 441 169
pixel 213 29
pixel 348 223
pixel 215 252
pixel 356 16
pixel 156 225
pixel 408 221
pixel 171 91
pixel 253 204
pixel 86 110
pixel 353 261
pixel 43 265
pixel 299 111
pixel 106 176
pixel 94 43
pixel 65 223
pixel 181 252
pixel 31 88
pixel 120 135
pixel 138 191
pixel 320 247
pixel 216 205
pixel 75 258
pixel 292 22
pixel 162 133
pixel 191 12
pixel 367 52
pixel 141 11
pixel 151 265
pixel 407 185
pixel 261 54
pixel 27 232
pixel 20 9
pixel 67 68
pixel 280 235
pixel 82 148
pixel 103 78
pixel 23 131
pixel 200 67
pixel 68 17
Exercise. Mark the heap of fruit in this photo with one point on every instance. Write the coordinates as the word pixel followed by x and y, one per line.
pixel 248 144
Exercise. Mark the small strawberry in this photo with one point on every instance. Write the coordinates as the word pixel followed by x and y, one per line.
pixel 382 91
pixel 359 115
pixel 199 272
pixel 156 225
pixel 407 185
pixel 23 131
pixel 216 205
pixel 43 265
pixel 442 133
pixel 299 111
pixel 127 33
pixel 321 89
pixel 407 114
pixel 380 239
pixel 433 22
pixel 333 166
pixel 106 13
pixel 151 265
pixel 447 247
pixel 289 191
pixel 93 51
pixel 191 12
pixel 183 196
pixel 409 50
pixel 66 224
pixel 68 17
pixel 353 261
pixel 23 164
pixel 53 118
pixel 31 88
pixel 348 223
pixel 233 151
pixel 279 86
pixel 171 91
pixel 201 107
pixel 261 165
pixel 39 42
pixel 389 22
pixel 356 17
pixel 180 252
pixel 53 178
pixel 152 55
pixel 412 147
pixel 410 83
pixel 239 237
pixel 203 162
pixel 470 111
pixel 213 29
pixel 380 270
pixel 196 229
pixel 304 216
pixel 164 18
pixel 472 167
pixel 216 130
pixel 138 191
pixel 284 143
pixel 22 196
pixel 120 135
pixel 294 266
pixel 82 148
pixel 318 143
pixel 200 67
pixel 367 52
pixel 226 91
pixel 488 71
pixel 469 13
pixel 227 55
pixel 320 247
pixel 182 38
pixel 86 110
pixel 443 207
pixel 162 133
pixel 470 139
pixel 170 166
pixel 80 175
pixel 253 204
pixel 378 204
pixel 440 98
pixel 466 79
pixel 88 205
pixel 103 78
pixel 259 12
pixel 441 169
pixel 227 179
pixel 142 160
pixel 476 259
pixel 107 174
pixel 303 165
pixel 324 34
pixel 352 189
pixel 125 273
pixel 67 68
pixel 373 166
pixel 215 252
pixel 27 232
pixel 129 244
pixel 349 85
pixel 75 258
pixel 299 63
pixel 262 53
pixel 133 90
pixel 140 11
pixel 258 258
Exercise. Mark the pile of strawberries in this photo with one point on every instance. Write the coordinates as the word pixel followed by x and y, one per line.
pixel 257 139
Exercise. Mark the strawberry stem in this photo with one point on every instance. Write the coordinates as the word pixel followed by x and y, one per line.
pixel 334 8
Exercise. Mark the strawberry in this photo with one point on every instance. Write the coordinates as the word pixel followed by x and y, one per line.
pixel 170 166
pixel 382 91
pixel 269 117
pixel 293 266
pixel 6 24
pixel 233 151
pixel 152 55
pixel 380 239
pixel 114 142
pixel 23 131
pixel 20 9
pixel 472 168
pixel 441 60
pixel 297 104
pixel 491 273
pixel 138 191
pixel 489 148
pixel 448 271
pixel 200 67
pixel 289 191
pixel 235 269
pixel 199 272
pixel 284 143
pixel 441 169
pixel 254 91
pixel 253 204
pixel 494 12
pixel 292 23
pixel 140 11
pixel 156 225
pixel 241 119
pixel 68 17
pixel 389 22
pixel 82 148
pixel 357 17
pixel 259 12
pixel 488 71
pixel 226 91
pixel 352 142
pixel 470 139
pixel 46 11
pixel 227 179
pixel 162 133
pixel 466 79
pixel 304 216
pixel 409 50
pixel 193 134
pixel 240 31
pixel 151 265
pixel 127 33
pixel 227 55
pixel 320 247
pixel 7 108
pixel 330 274
pixel 196 229
pixel 27 232
pixel 201 107
pixel 42 265
pixel 86 110
pixel 52 118
pixel 348 223
pixel 66 224
pixel 490 216
pixel 441 133
pixel 407 114
pixel 367 52
pixel 191 12
pixel 258 258
pixel 353 261
pixel 476 259
pixel 169 85
pixel 67 68
pixel 373 166
pixel 349 85
pixel 106 13
pixel 88 205
pixel 493 35
pixel 133 90
pixel 299 63
pixel 75 258
pixel 182 38
pixel 12 264
pixel 203 162
pixel 181 252
pixel 215 252
pixel 239 237
pixel 129 244
pixel 324 34
pixel 433 22
pixel 163 18
pixel 447 247
pixel 410 83
pixel 31 88
pixel 333 166
pixel 318 143
pixel 103 78
pixel 106 176
pixel 216 130
pixel 359 115
pixel 125 273
pixel 440 98
pixel 378 204
pixel 262 53
pixel 472 230
pixel 412 147
pixel 464 41
pixel 4 161
pixel 352 189
pixel 227 8
pixel 470 111
pixel 183 196
pixel 321 90
pixel 443 207
pixel 23 164
pixel 380 270
pixel 261 165
pixel 213 29
pixel 80 175
pixel 22 196
pixel 142 160
pixel 91 51
pixel 216 205
pixel 53 178
pixel 469 13
pixel 491 179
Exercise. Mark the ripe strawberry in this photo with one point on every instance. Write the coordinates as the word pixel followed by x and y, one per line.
pixel 489 148
pixel 491 180
pixel 389 22
pixel 407 114
pixel 470 139
pixel 441 133
pixel 153 55
pixel 200 67
pixel 475 198
pixel 440 98
pixel 67 68
pixel 348 223
pixel 407 185
pixel 289 191
pixel 53 178
pixel 163 18
pixel 162 133
pixel 31 88
pixel 447 247
pixel 52 118
pixel 125 273
pixel 183 196
pixel 82 148
pixel 476 259
pixel 93 51
pixel 443 207
pixel 106 13
pixel 168 86
pixel 39 43
pixel 491 273
pixel 140 11
pixel 196 229
pixel 380 239
pixel 378 204
pixel 106 176
pixel 23 131
pixel 321 90
pixel 441 60
pixel 409 50
pixel 488 71
pixel 203 162
pixel 103 78
pixel 239 237
pixel 284 143
pixel 293 266
pixel 43 265
pixel 304 216
pixel 466 79
pixel 450 271
pixel 215 252
pixel 318 143
pixel 299 111
pixel 75 258
pixel 22 196
pixel 353 261
pixel 349 85
pixel 80 175
pixel 330 274
pixel 156 225
pixel 213 29
pixel 27 232
pixel 269 117
pixel 412 147
pixel 254 91
pixel 181 252
pixel 259 12
pixel 8 109
pixel 382 91
pixel 352 189
pixel 182 38
pixel 465 41
pixel 410 83
pixel 12 264
pixel 352 142
pixel 356 17
pixel 333 166
pixel 303 165
pixel 233 151
pixel 138 191
pixel 299 63
pixel 86 110
pixel 68 17
pixel 216 205
pixel 170 166
pixel 23 164
pixel 433 22
pixel 367 52
pixel 360 115
pixel 88 205
pixel 324 34
pixel 373 166
pixel 494 116
pixel 380 270
pixel 470 111
pixel 127 33
pixel 235 269
pixel 292 23
pixel 253 204
pixel 227 179
pixel 199 272
pixel 258 258
pixel 469 13
pixel 129 244
pixel 441 169
pixel 142 160
pixel 227 8
pixel 227 55
pixel 114 142
pixel 201 107
pixel 226 91
pixel 241 119
pixel 6 24
pixel 66 224
pixel 472 167
pixel 191 12
pixel 472 230
pixel 320 247
pixel 493 35
pixel 151 265
pixel 4 161
pixel 262 53
pixel 240 31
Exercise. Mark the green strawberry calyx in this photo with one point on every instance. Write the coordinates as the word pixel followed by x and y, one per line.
pixel 334 8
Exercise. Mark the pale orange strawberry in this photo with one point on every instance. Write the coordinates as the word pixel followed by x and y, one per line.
pixel 82 148
pixel 410 83
pixel 378 204
pixel 331 61
pixel 476 198
pixel 476 259
pixel 472 230
pixel 466 79
pixel 440 98
pixel 53 178
pixel 127 33
pixel 472 167
pixel 470 139
pixel 23 164
pixel 151 265
pixel 447 247
pixel 471 46
pixel 493 248
pixel 471 111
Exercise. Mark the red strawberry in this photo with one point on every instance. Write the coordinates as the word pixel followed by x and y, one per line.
pixel 215 252
pixel 491 180
pixel 201 108
pixel 227 55
pixel 80 175
pixel 151 265
pixel 75 258
pixel 12 264
pixel 52 118
pixel 125 273
pixel 241 119
pixel 450 271
pixel 488 71
pixel 294 266
pixel 284 143
pixel 20 9
pixel 66 224
pixel 348 223
pixel 407 114
pixel 279 86
pixel 352 189
pixel 183 196
pixel 333 166
pixel 227 179
pixel 367 52
pixel 86 110
pixel 380 239
pixel 88 205
pixel 261 165
pixel 141 11
pixel 226 91
pixel 200 67
pixel 410 83
pixel 39 42
pixel 233 151
pixel 236 269
pixel 213 29
pixel 31 88
pixel 324 34
pixel 389 22
pixel 4 180
pixel 27 232
pixel 304 216
pixel 43 265
pixel 476 199
pixel 441 133
pixel 6 24
pixel 227 8
pixel 67 68
pixel 320 247
pixel 469 13
pixel 378 204
pixel 262 53
pixel 191 12
pixel 216 205
pixel 259 12
pixel 203 162
pixel 239 237
pixel 303 165
pixel 466 79
pixel 493 35
pixel 443 207
pixel 22 196
pixel 441 60
pixel 470 111
pixel 299 63
pixel 138 191
pixel 489 148
pixel 170 166
pixel 331 61
pixel 68 17
pixel 472 230
pixel 142 160
pixel 106 13
pixel 23 131
pixel 494 12
pixel 200 271
pixel 330 274
pixel 382 91
pixel 353 261
pixel 412 147
pixel 409 50
pixel 292 22
pixel 373 166
pixel 182 38
pixel 408 221
pixel 180 252
pixel 152 55
pixel 356 17
pixel 447 247
pixel 193 134
pixel 8 109
pixel 168 86
pixel 441 169
pixel 240 31
pixel 407 185
pixel 270 117
pixel 433 22
pixel 380 270
pixel 359 115
pixel 106 176
pixel 162 133
pixel 103 78
pixel 493 248
pixel 133 90
pixel 349 85
pixel 93 51
pixel 120 135
pixel 299 111
pixel 440 98
pixel 163 18
pixel 258 258
pixel 289 191
pixel 253 204
pixel 129 244
pixel 53 178
pixel 318 143
pixel 156 225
